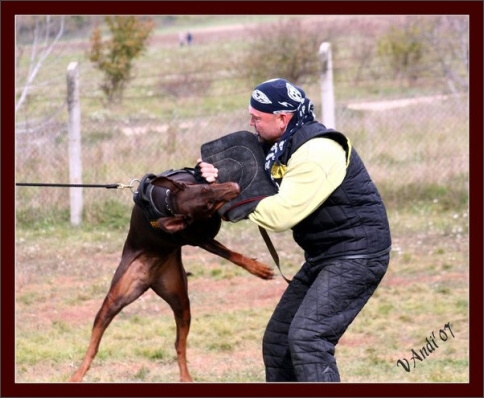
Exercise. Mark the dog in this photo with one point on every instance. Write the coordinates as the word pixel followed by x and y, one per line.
pixel 152 253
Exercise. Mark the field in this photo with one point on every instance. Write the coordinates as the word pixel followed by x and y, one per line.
pixel 60 288
pixel 62 274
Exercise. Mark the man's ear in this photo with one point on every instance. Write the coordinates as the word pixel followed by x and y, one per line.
pixel 170 224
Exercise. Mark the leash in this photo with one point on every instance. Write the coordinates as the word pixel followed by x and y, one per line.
pixel 107 186
pixel 262 231
pixel 272 250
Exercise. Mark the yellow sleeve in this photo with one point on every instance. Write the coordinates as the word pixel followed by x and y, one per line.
pixel 314 171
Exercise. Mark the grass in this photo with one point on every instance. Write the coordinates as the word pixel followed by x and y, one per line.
pixel 62 273
pixel 425 288
pixel 411 152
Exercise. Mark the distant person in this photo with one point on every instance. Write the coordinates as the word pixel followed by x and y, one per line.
pixel 189 38
pixel 328 199
pixel 181 39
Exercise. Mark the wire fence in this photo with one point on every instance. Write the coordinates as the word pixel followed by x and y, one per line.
pixel 409 145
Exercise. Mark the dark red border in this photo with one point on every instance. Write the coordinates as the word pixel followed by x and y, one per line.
pixel 8 11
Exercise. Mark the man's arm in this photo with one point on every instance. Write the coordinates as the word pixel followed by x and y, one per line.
pixel 314 171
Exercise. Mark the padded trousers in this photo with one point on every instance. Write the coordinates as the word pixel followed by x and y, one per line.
pixel 314 312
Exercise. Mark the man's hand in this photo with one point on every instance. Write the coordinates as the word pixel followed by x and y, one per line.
pixel 207 171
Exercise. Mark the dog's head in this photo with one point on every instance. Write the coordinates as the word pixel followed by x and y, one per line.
pixel 191 201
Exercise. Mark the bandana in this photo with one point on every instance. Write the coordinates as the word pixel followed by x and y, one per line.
pixel 276 96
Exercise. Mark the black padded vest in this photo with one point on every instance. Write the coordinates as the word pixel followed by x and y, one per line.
pixel 352 221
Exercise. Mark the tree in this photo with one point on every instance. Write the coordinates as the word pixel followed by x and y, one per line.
pixel 42 45
pixel 429 45
pixel 403 49
pixel 115 57
pixel 284 49
pixel 448 36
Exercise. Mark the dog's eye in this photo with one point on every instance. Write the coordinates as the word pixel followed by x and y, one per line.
pixel 208 193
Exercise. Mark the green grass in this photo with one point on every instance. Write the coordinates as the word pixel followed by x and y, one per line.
pixel 59 289
pixel 62 273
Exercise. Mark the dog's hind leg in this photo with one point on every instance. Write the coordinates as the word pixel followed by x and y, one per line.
pixel 130 281
pixel 171 285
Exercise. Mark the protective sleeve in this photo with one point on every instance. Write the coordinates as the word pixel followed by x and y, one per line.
pixel 314 171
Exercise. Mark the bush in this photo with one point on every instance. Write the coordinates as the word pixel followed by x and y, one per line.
pixel 402 49
pixel 115 57
pixel 284 49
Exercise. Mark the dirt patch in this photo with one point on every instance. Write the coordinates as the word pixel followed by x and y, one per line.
pixel 237 293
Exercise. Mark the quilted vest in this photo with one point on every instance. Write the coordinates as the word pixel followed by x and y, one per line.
pixel 352 222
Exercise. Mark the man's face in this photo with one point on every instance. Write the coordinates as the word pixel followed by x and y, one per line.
pixel 269 127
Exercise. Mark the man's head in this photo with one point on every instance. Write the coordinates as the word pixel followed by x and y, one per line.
pixel 272 106
pixel 276 96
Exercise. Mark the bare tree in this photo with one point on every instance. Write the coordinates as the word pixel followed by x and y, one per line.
pixel 449 37
pixel 46 34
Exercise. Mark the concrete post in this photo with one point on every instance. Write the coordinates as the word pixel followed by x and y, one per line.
pixel 327 91
pixel 74 131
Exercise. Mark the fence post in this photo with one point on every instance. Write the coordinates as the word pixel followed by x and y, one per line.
pixel 327 91
pixel 74 131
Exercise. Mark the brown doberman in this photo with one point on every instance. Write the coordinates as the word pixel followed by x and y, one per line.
pixel 152 256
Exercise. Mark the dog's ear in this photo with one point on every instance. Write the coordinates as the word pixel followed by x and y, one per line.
pixel 170 224
pixel 166 182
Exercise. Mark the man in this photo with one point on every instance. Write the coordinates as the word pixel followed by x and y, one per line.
pixel 328 199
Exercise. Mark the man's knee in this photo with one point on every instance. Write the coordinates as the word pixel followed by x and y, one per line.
pixel 312 356
pixel 298 336
pixel 308 345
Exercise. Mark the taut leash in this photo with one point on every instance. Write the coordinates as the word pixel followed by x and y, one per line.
pixel 262 231
pixel 107 186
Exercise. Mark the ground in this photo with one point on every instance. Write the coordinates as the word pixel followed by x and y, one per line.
pixel 65 286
